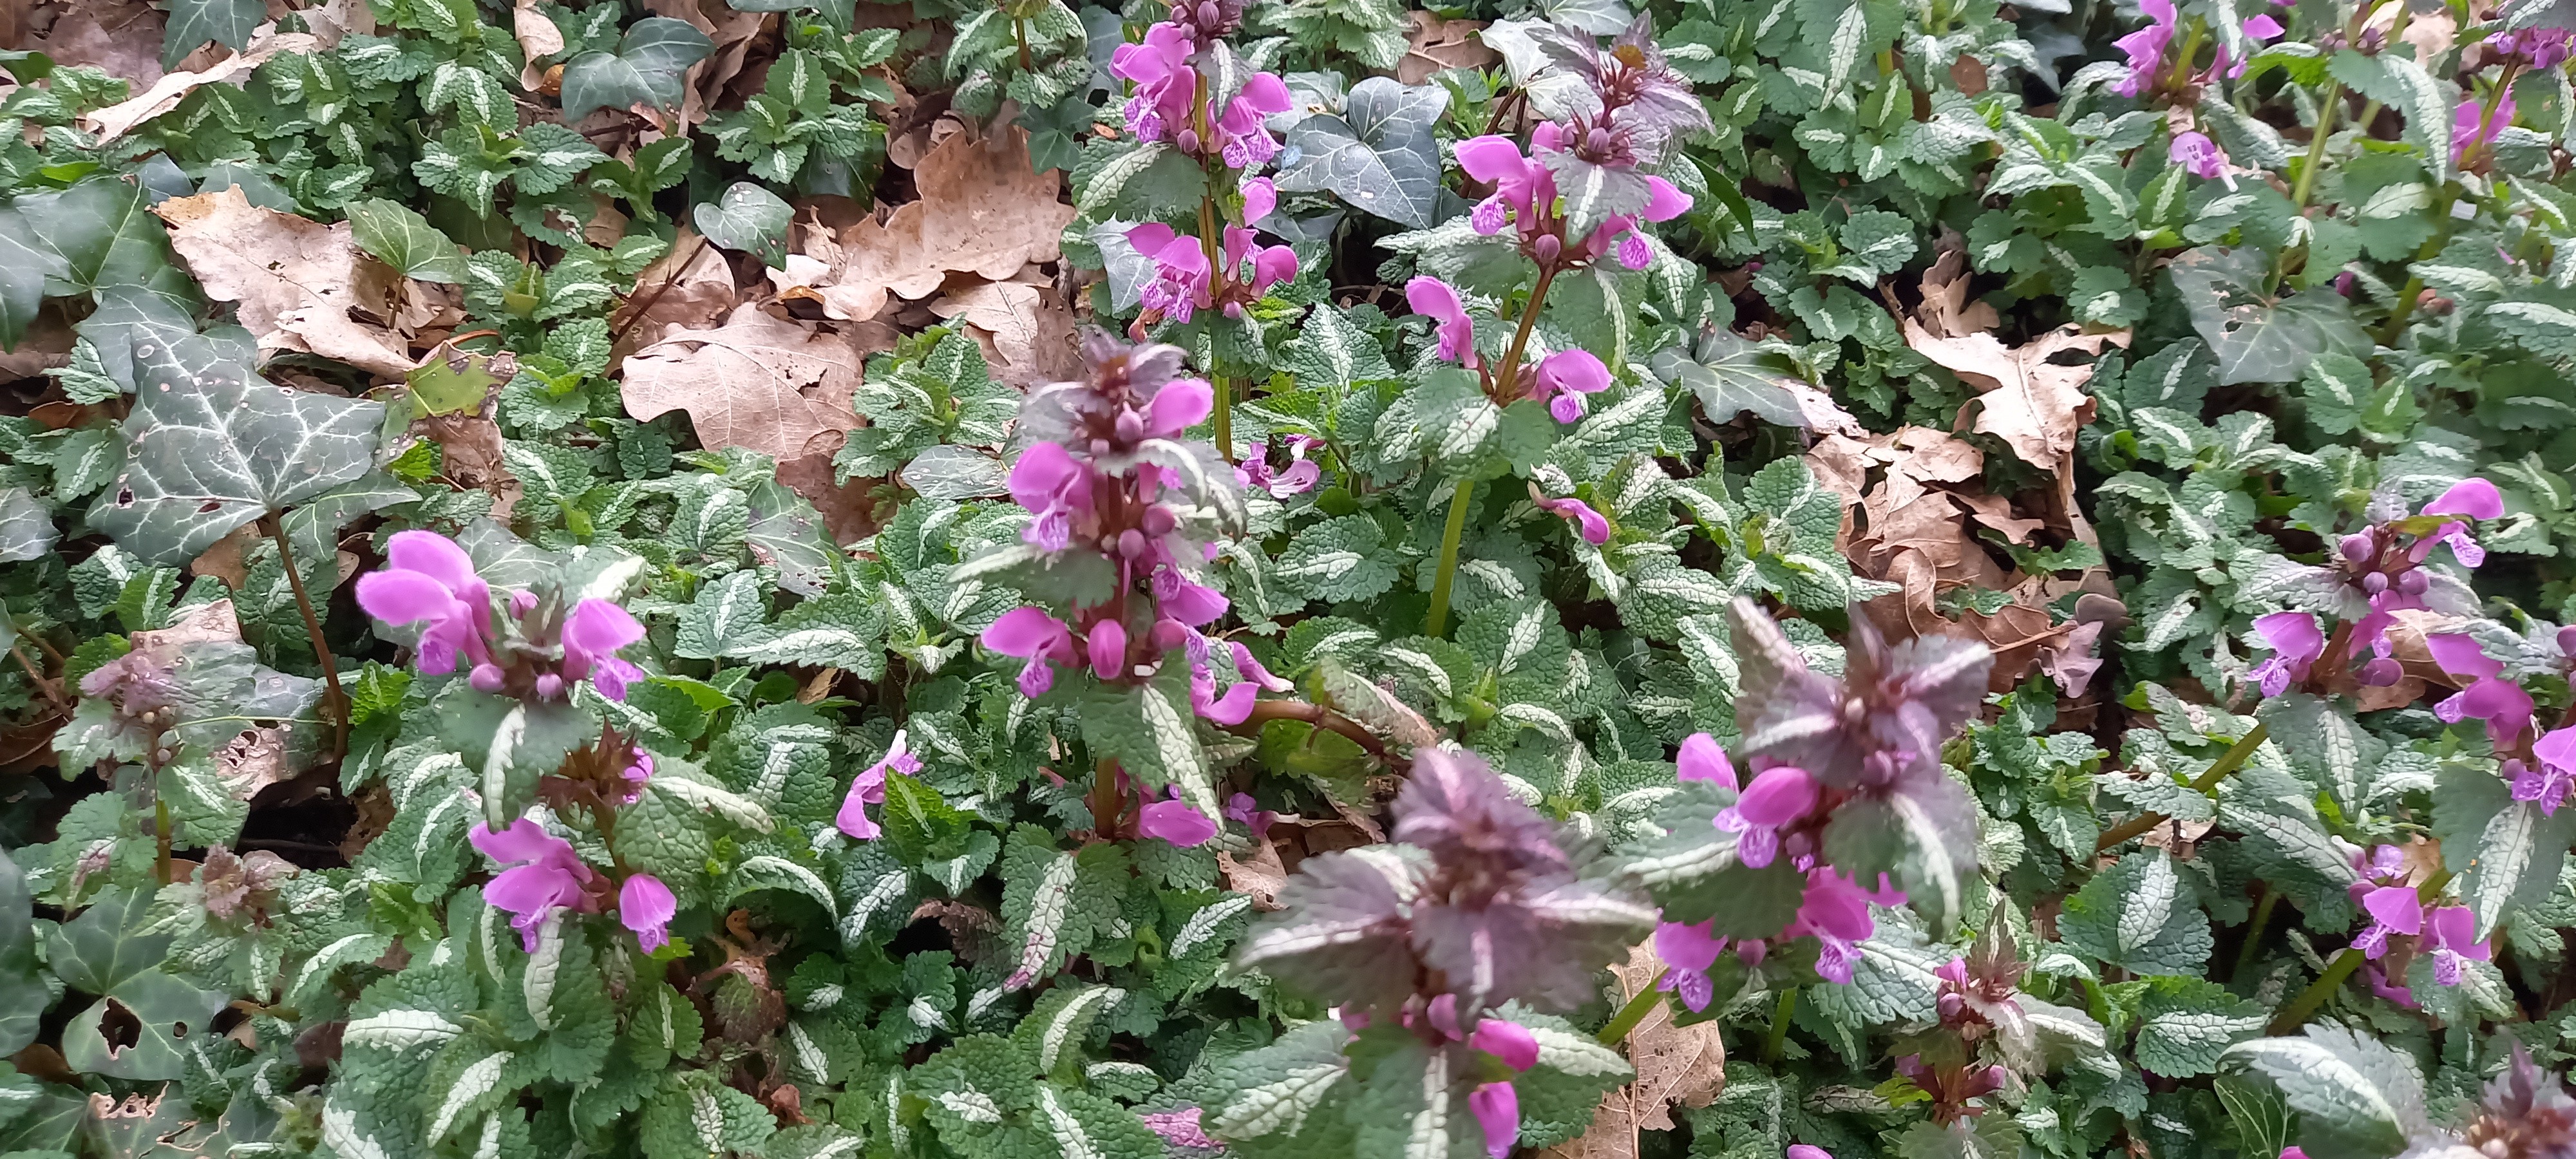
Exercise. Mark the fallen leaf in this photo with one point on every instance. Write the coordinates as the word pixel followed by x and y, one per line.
pixel 252 761
pixel 1435 46
pixel 1946 310
pixel 334 19
pixel 688 288
pixel 2029 401
pixel 211 622
pixel 224 560
pixel 2072 662
pixel 295 280
pixel 1995 511
pixel 1260 875
pixel 119 37
pixel 165 93
pixel 46 345
pixel 537 34
pixel 759 382
pixel 1026 331
pixel 851 511
pixel 981 211
pixel 1676 1066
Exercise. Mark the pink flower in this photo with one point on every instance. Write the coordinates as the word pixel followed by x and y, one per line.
pixel 1811 1151
pixel 428 577
pixel 1300 477
pixel 1691 951
pixel 1508 1041
pixel 870 789
pixel 2198 154
pixel 1271 265
pixel 2544 48
pixel 544 875
pixel 1778 798
pixel 1260 198
pixel 1031 634
pixel 2548 785
pixel 1497 1108
pixel 2296 642
pixel 1433 299
pixel 1182 277
pixel 1703 760
pixel 2146 48
pixel 592 634
pixel 1166 86
pixel 1108 649
pixel 1181 404
pixel 1176 821
pixel 636 773
pixel 2393 909
pixel 1595 529
pixel 2263 29
pixel 2474 498
pixel 2454 940
pixel 1050 485
pixel 2501 703
pixel 1236 705
pixel 1518 182
pixel 1243 142
pixel 2472 127
pixel 1565 377
pixel 1241 807
pixel 1836 911
pixel 645 905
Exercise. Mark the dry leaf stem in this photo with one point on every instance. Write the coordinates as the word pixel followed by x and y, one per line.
pixel 338 700
pixel 1108 805
pixel 1437 621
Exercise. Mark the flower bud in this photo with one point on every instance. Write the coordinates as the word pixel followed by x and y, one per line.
pixel 1188 141
pixel 1597 142
pixel 1131 543
pixel 487 677
pixel 2567 641
pixel 1548 247
pixel 549 686
pixel 1952 1005
pixel 2413 583
pixel 1100 448
pixel 2381 672
pixel 1208 15
pixel 1158 521
pixel 2374 582
pixel 1167 635
pixel 2357 547
pixel 1130 425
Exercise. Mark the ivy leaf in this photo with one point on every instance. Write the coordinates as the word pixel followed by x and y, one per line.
pixel 23 997
pixel 748 217
pixel 2137 915
pixel 645 69
pixel 194 22
pixel 2258 338
pixel 105 951
pixel 211 446
pixel 1379 154
pixel 1732 375
pixel 405 240
pixel 26 527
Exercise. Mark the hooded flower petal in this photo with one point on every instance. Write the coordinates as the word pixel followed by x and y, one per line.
pixel 1497 1108
pixel 646 906
pixel 2474 498
pixel 1434 299
pixel 1176 822
pixel 1508 1041
pixel 1595 529
pixel 1180 405
pixel 1703 760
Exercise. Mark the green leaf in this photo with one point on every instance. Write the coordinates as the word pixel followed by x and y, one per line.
pixel 406 241
pixel 2139 916
pixel 2353 1096
pixel 645 69
pixel 1380 155
pixel 194 22
pixel 2258 338
pixel 1148 729
pixel 1339 559
pixel 748 218
pixel 26 527
pixel 211 446
pixel 23 997
pixel 2184 1024
pixel 2508 854
pixel 105 952
pixel 1732 375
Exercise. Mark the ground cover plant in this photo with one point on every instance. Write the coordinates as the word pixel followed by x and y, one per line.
pixel 1764 579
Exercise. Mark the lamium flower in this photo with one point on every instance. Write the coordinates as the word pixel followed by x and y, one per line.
pixel 646 906
pixel 1594 528
pixel 1235 705
pixel 2548 780
pixel 1165 103
pixel 634 776
pixel 2198 155
pixel 2146 49
pixel 1951 1085
pixel 2453 942
pixel 1433 299
pixel 1689 952
pixel 1029 633
pixel 1181 1129
pixel 1778 798
pixel 870 788
pixel 428 579
pixel 1525 197
pixel 2489 697
pixel 2539 48
pixel 2470 499
pixel 2474 127
pixel 1635 97
pixel 1702 759
pixel 2525 1114
pixel 2393 909
pixel 592 636
pixel 1182 276
pixel 1807 1151
pixel 1176 821
pixel 1497 1108
pixel 1507 1040
pixel 1255 268
pixel 2296 642
pixel 544 875
pixel 1241 807
pixel 1835 911
pixel 1299 477
pixel 1563 379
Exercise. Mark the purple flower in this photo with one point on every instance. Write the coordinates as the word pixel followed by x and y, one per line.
pixel 544 875
pixel 1271 265
pixel 1182 276
pixel 1702 759
pixel 1595 529
pixel 870 789
pixel 2393 909
pixel 1236 705
pixel 1050 485
pixel 1108 649
pixel 1811 1151
pixel 2146 48
pixel 1518 182
pixel 1241 807
pixel 1690 951
pixel 1835 910
pixel 2548 784
pixel 1497 1108
pixel 1032 635
pixel 635 774
pixel 2474 498
pixel 2263 29
pixel 1565 377
pixel 2454 940
pixel 1777 798
pixel 1433 299
pixel 1166 86
pixel 592 634
pixel 645 905
pixel 2295 640
pixel 2195 152
pixel 427 577
pixel 1300 477
pixel 1506 1040
pixel 1176 821
pixel 2473 127
pixel 2543 48
pixel 2501 703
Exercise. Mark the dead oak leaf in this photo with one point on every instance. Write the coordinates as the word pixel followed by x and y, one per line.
pixel 1026 331
pixel 981 212
pixel 2030 401
pixel 294 281
pixel 759 382
pixel 1434 46
pixel 1676 1066
pixel 165 93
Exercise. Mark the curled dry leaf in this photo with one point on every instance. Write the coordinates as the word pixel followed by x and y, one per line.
pixel 1434 45
pixel 759 382
pixel 120 37
pixel 1259 874
pixel 686 289
pixel 1026 330
pixel 981 212
pixel 1676 1066
pixel 165 93
pixel 295 280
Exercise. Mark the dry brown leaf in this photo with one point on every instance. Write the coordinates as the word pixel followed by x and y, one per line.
pixel 686 289
pixel 46 345
pixel 225 561
pixel 981 212
pixel 330 21
pixel 759 382
pixel 1676 1066
pixel 2033 404
pixel 537 34
pixel 120 37
pixel 1996 512
pixel 252 761
pixel 1946 310
pixel 1436 45
pixel 165 93
pixel 1026 331
pixel 1260 875
pixel 295 280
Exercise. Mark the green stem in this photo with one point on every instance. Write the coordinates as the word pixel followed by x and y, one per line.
pixel 1437 620
pixel 1634 1012
pixel 336 699
pixel 2296 1013
pixel 1779 1037
pixel 2254 932
pixel 2317 144
pixel 1222 412
pixel 2228 762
